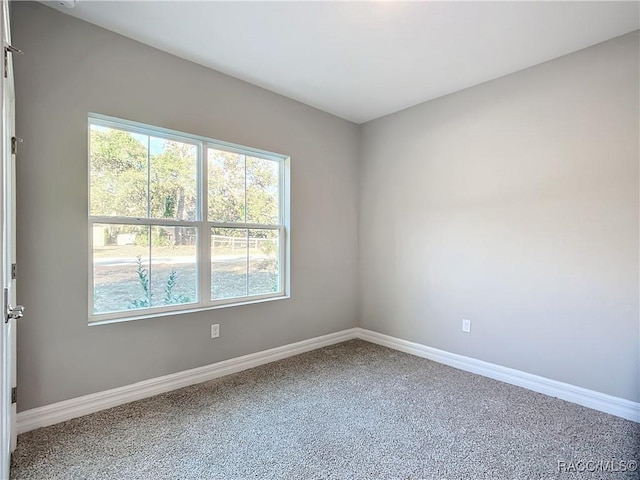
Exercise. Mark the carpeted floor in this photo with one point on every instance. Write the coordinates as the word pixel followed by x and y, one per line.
pixel 349 411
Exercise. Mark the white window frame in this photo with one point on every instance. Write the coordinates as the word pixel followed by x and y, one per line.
pixel 202 224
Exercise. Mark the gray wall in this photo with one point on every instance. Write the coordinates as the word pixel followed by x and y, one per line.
pixel 70 68
pixel 513 204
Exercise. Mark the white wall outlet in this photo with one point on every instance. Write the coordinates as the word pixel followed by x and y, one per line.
pixel 215 331
pixel 466 325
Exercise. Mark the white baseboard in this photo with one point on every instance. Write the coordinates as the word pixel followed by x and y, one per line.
pixel 571 393
pixel 77 407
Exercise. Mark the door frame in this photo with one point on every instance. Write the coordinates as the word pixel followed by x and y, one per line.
pixel 8 430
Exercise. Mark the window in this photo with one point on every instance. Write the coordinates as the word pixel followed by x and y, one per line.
pixel 180 222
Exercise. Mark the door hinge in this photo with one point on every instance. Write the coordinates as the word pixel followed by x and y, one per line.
pixel 14 144
pixel 14 395
pixel 9 49
pixel 14 271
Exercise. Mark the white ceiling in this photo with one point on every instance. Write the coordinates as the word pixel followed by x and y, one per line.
pixel 362 60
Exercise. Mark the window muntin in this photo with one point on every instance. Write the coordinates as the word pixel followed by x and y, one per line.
pixel 245 262
pixel 137 267
pixel 180 222
pixel 242 188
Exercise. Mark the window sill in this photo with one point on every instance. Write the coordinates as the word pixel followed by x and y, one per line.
pixel 145 316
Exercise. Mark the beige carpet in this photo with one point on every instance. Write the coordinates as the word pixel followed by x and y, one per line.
pixel 349 411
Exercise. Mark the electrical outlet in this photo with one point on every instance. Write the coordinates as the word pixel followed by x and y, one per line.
pixel 466 325
pixel 215 331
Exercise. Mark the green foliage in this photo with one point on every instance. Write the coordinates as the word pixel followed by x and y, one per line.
pixel 126 176
pixel 227 174
pixel 168 288
pixel 131 173
pixel 172 182
pixel 268 246
pixel 169 297
pixel 262 191
pixel 143 276
pixel 160 238
pixel 118 174
pixel 169 206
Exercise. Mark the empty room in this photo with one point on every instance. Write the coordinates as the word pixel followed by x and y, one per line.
pixel 320 240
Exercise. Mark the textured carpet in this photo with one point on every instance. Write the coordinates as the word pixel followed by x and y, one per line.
pixel 349 411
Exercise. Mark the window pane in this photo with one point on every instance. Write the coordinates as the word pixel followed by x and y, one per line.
pixel 174 276
pixel 120 268
pixel 172 179
pixel 262 191
pixel 264 255
pixel 226 186
pixel 228 263
pixel 156 178
pixel 118 172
